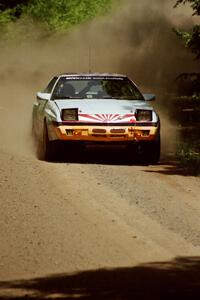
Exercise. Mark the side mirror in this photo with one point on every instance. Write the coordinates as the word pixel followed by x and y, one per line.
pixel 43 96
pixel 149 97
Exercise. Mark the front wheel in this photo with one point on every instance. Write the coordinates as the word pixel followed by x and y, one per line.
pixel 152 152
pixel 148 152
pixel 46 148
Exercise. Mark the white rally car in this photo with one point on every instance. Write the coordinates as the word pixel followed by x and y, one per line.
pixel 103 109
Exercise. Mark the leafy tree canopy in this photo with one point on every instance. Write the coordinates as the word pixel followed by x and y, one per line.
pixel 191 38
pixel 55 15
pixel 61 14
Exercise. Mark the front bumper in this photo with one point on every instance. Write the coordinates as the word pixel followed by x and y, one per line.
pixel 97 133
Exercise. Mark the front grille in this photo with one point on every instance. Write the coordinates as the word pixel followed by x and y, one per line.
pixel 98 130
pixel 117 130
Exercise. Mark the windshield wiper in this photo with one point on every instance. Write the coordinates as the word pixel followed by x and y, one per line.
pixel 67 97
pixel 121 98
pixel 112 97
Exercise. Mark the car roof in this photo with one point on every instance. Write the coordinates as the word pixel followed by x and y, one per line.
pixel 92 75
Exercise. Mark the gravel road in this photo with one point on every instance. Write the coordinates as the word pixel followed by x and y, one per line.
pixel 95 227
pixel 91 214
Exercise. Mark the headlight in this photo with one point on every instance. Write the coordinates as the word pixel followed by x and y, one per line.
pixel 143 115
pixel 70 114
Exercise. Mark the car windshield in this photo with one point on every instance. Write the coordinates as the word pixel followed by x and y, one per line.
pixel 96 88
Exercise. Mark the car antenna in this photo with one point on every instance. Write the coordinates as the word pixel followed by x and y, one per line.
pixel 90 59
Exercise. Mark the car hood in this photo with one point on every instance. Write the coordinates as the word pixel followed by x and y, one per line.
pixel 104 106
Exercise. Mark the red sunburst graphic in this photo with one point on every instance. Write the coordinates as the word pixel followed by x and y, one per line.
pixel 107 118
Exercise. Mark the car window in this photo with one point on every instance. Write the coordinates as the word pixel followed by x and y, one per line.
pixel 96 88
pixel 50 85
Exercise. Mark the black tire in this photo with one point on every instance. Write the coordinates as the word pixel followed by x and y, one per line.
pixel 152 154
pixel 147 152
pixel 46 148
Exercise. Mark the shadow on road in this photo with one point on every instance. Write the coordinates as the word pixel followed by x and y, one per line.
pixel 99 156
pixel 177 279
pixel 168 164
pixel 170 168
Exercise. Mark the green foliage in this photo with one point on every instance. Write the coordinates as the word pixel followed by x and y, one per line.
pixel 6 17
pixel 191 38
pixel 55 15
pixel 189 158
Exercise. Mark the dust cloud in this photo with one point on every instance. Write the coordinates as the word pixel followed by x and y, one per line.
pixel 136 39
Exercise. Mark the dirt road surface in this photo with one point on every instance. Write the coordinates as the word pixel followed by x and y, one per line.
pixel 96 228
pixel 92 227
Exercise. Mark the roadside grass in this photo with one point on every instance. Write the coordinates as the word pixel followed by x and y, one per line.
pixel 186 111
pixel 188 155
